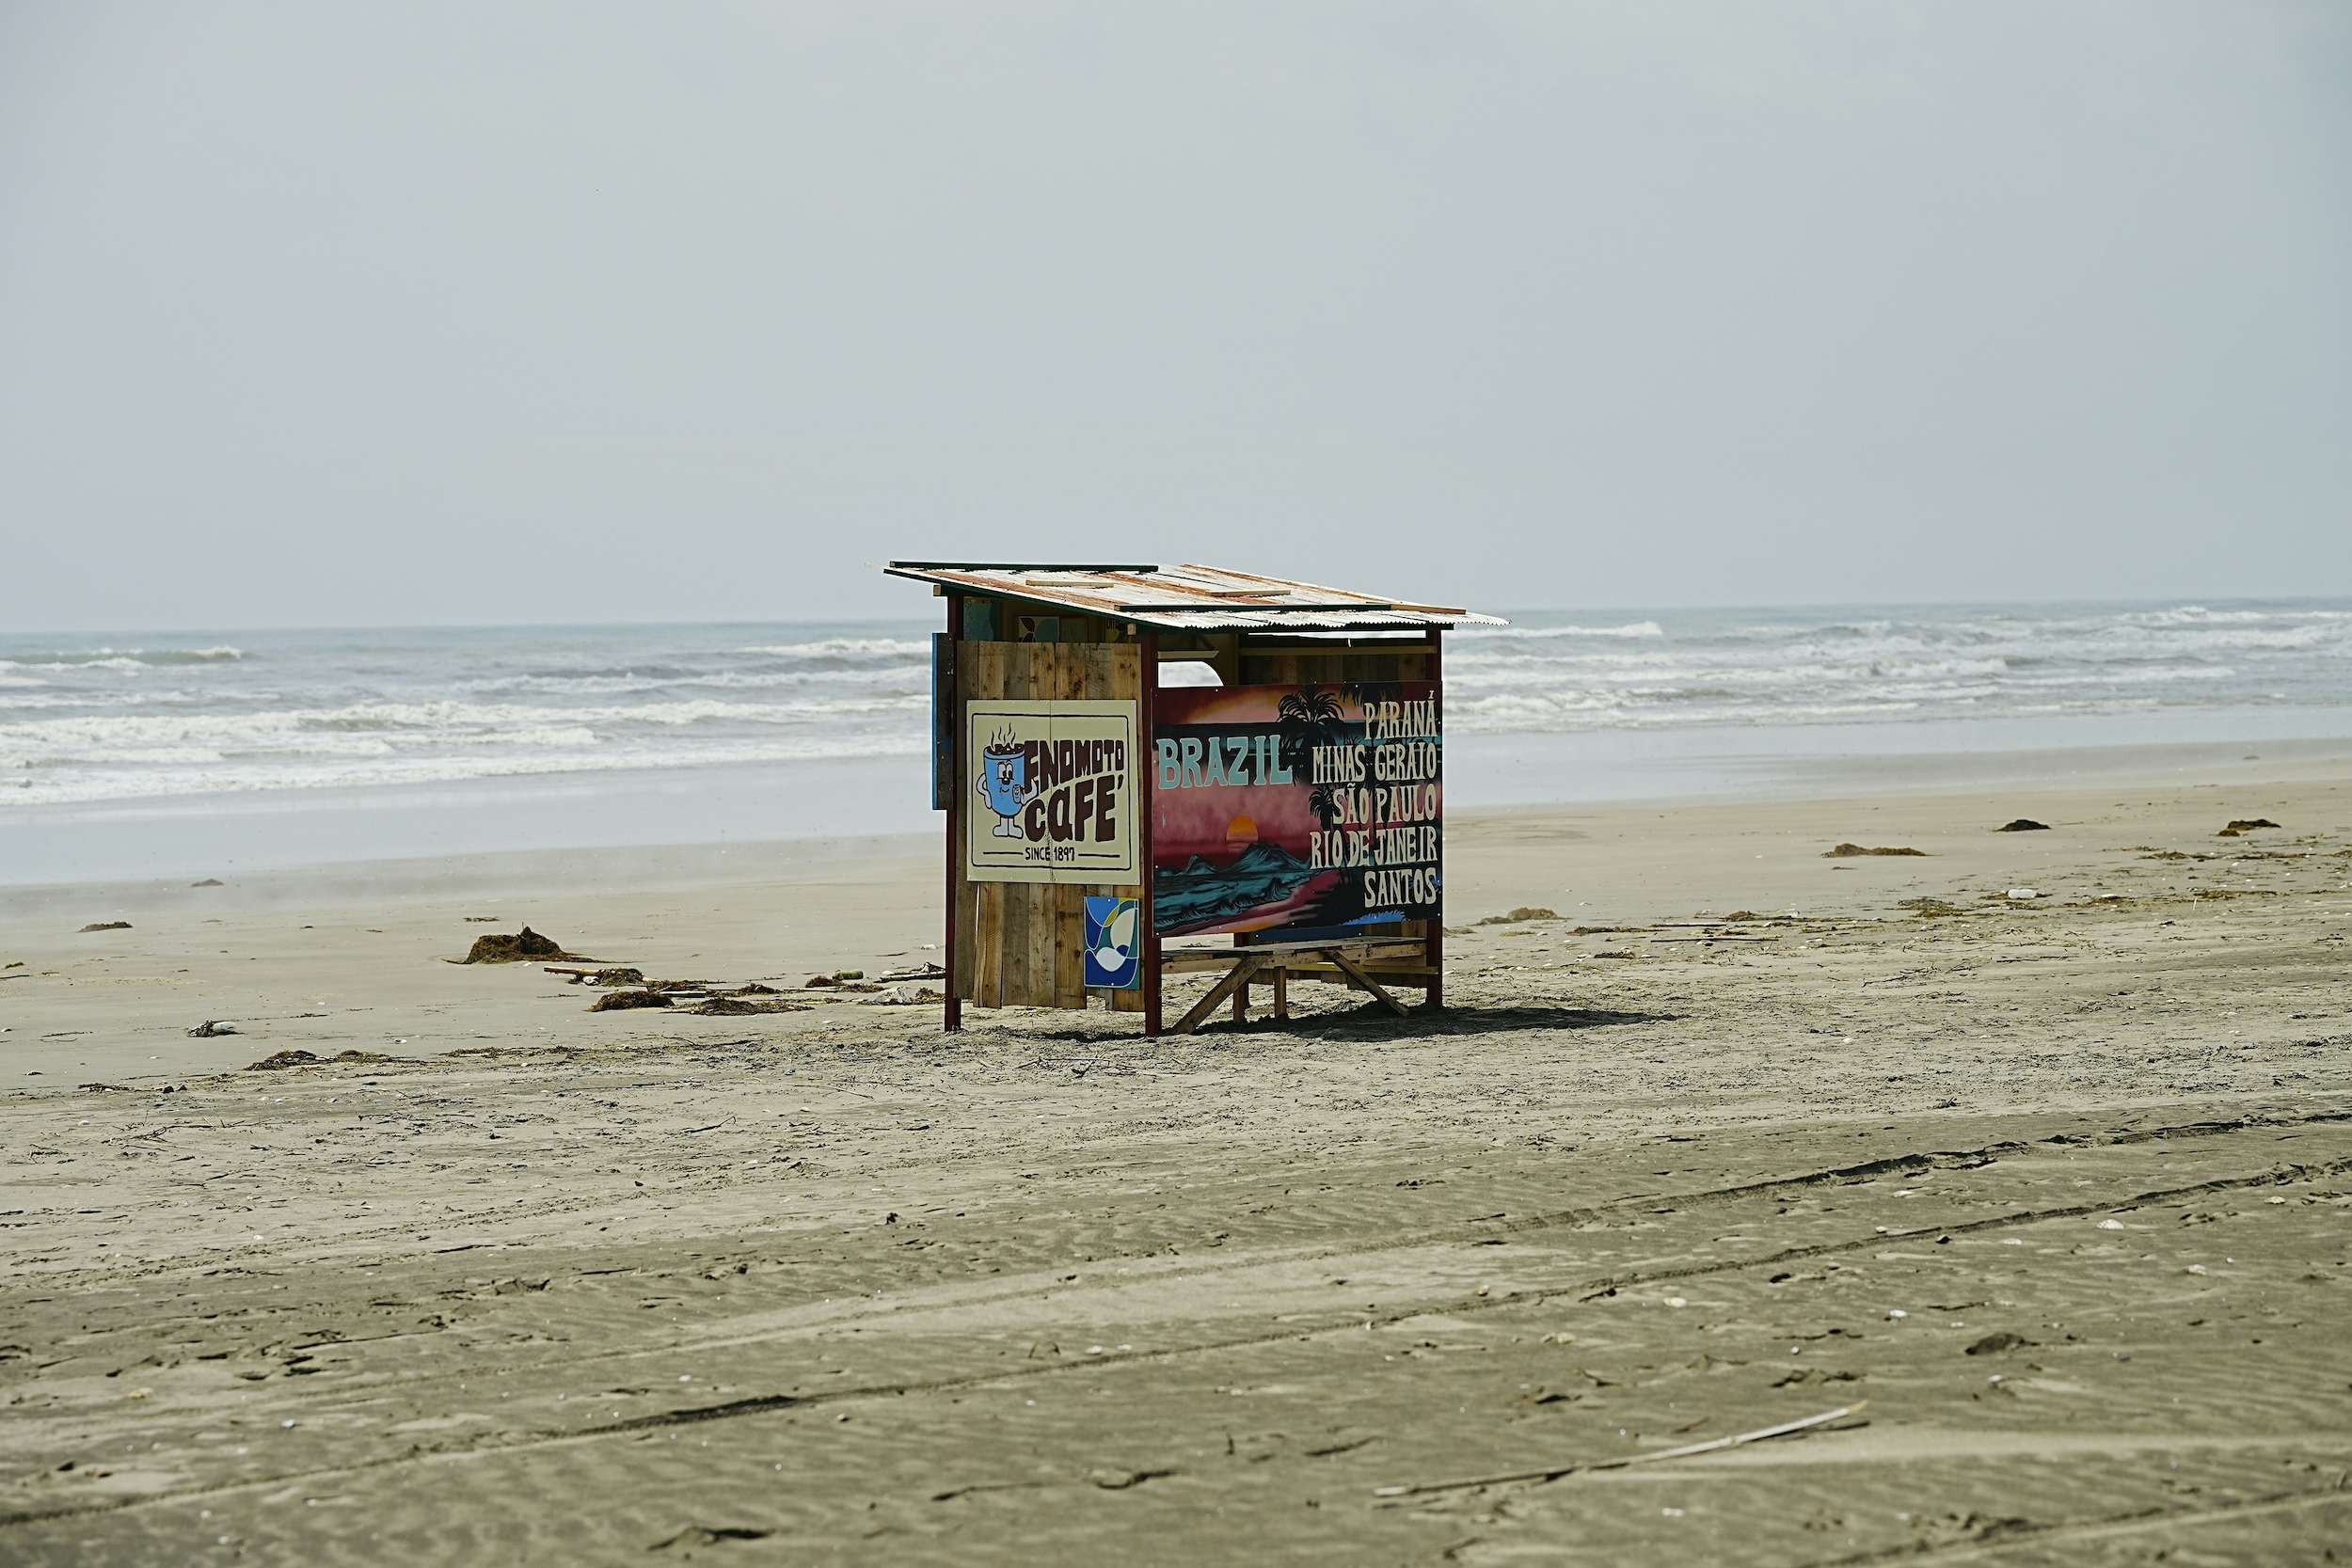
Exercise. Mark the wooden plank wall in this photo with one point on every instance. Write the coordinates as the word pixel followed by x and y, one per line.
pixel 1020 945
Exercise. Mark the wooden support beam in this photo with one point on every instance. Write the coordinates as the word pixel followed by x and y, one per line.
pixel 1218 994
pixel 1147 710
pixel 953 1009
pixel 1368 984
pixel 1373 954
pixel 1387 975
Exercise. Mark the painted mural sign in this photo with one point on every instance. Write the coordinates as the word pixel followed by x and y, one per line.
pixel 1296 807
pixel 1053 790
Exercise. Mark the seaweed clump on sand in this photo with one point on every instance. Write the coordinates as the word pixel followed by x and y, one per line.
pixel 304 1058
pixel 1931 909
pixel 503 948
pixel 615 1000
pixel 2245 825
pixel 1846 852
pixel 734 1006
pixel 1518 916
pixel 2023 825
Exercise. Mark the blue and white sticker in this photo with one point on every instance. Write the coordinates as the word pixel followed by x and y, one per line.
pixel 1114 929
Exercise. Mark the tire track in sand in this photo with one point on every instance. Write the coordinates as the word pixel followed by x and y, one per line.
pixel 496 1444
pixel 2005 1535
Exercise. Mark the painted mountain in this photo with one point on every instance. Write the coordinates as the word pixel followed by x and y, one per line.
pixel 1264 880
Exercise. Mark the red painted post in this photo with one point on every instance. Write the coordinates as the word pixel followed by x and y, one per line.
pixel 1433 941
pixel 1149 765
pixel 955 795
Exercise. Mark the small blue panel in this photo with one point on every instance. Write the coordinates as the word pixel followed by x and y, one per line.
pixel 1114 928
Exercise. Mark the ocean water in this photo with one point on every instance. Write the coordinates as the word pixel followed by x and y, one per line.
pixel 101 732
pixel 145 717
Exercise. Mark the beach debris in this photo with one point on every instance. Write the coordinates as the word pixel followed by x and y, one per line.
pixel 499 947
pixel 1119 1481
pixel 104 926
pixel 209 882
pixel 481 920
pixel 1847 852
pixel 1524 912
pixel 212 1027
pixel 828 982
pixel 283 1059
pixel 903 996
pixel 613 976
pixel 1997 1344
pixel 915 972
pixel 1930 909
pixel 709 1536
pixel 616 1001
pixel 2022 895
pixel 1625 1462
pixel 2245 825
pixel 2023 825
pixel 848 974
pixel 734 1007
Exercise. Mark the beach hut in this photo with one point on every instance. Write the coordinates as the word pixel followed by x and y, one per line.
pixel 1148 770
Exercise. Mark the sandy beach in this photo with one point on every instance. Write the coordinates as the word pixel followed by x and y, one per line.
pixel 2038 1208
pixel 1649 704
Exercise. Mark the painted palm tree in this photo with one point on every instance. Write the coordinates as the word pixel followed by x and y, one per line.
pixel 1324 803
pixel 1308 718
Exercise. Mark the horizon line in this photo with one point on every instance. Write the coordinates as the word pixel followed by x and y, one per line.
pixel 2179 600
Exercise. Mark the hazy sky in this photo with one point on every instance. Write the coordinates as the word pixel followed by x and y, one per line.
pixel 316 314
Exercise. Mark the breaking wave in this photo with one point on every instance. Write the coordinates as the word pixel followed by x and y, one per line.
pixel 117 658
pixel 288 711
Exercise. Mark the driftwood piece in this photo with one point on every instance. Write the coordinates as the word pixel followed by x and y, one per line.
pixel 1782 1430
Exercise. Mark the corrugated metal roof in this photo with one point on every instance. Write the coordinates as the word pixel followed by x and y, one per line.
pixel 1189 597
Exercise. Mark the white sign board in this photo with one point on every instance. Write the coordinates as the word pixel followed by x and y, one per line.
pixel 1052 785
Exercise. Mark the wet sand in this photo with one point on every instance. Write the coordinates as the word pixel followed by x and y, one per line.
pixel 2051 1195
